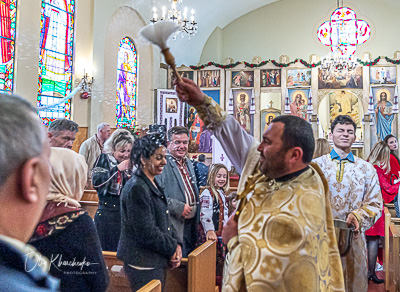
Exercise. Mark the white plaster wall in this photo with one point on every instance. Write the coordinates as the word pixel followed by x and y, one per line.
pixel 113 21
pixel 289 28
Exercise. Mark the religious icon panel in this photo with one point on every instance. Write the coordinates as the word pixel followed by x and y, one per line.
pixel 267 115
pixel 199 135
pixel 271 78
pixel 383 110
pixel 382 75
pixel 126 84
pixel 343 102
pixel 171 105
pixel 184 74
pixel 242 109
pixel 338 79
pixel 209 78
pixel 55 58
pixel 242 79
pixel 299 102
pixel 298 77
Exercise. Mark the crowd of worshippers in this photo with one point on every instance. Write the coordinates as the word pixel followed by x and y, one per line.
pixel 156 205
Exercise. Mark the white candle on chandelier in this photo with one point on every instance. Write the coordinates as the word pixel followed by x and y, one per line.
pixel 164 11
pixel 185 11
pixel 155 16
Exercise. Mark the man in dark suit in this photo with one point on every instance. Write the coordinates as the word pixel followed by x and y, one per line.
pixel 24 185
pixel 179 180
pixel 201 171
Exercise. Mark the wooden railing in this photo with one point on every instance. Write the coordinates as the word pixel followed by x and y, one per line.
pixel 392 254
pixel 195 274
pixel 153 286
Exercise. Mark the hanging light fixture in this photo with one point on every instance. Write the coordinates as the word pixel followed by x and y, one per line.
pixel 342 33
pixel 188 25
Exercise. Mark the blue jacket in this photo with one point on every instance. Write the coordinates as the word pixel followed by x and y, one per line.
pixel 201 171
pixel 19 272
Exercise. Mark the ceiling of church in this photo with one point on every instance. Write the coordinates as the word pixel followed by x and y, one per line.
pixel 210 14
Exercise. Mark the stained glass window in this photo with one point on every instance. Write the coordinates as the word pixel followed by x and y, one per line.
pixel 8 11
pixel 55 58
pixel 344 32
pixel 126 84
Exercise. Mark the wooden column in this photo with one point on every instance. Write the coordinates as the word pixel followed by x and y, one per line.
pixel 314 125
pixel 367 135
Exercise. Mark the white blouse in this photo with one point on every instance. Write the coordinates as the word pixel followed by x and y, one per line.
pixel 206 211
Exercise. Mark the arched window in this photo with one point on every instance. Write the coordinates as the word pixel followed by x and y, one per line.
pixel 8 11
pixel 126 84
pixel 55 58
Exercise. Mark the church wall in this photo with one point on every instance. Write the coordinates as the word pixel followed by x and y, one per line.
pixel 289 28
pixel 113 21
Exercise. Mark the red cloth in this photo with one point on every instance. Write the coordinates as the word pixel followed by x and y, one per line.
pixel 388 193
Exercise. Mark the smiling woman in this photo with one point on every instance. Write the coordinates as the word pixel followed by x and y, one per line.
pixel 149 243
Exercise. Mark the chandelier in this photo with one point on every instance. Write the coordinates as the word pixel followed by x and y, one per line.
pixel 342 33
pixel 188 26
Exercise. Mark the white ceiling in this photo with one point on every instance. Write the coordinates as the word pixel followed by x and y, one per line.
pixel 210 14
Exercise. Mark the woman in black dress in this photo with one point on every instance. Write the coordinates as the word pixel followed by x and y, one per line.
pixel 149 243
pixel 110 173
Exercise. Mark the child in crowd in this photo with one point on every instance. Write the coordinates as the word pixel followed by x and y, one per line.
pixel 214 209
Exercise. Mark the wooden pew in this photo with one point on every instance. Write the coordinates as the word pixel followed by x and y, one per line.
pixel 90 202
pixel 391 209
pixel 196 273
pixel 153 286
pixel 392 254
pixel 115 267
pixel 90 195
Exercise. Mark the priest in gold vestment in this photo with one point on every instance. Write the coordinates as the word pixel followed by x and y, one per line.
pixel 284 239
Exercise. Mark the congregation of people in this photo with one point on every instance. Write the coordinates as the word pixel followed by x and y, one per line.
pixel 155 206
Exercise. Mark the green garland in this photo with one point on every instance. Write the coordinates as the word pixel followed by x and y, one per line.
pixel 284 65
pixel 372 63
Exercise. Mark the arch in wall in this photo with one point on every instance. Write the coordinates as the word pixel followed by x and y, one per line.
pixel 126 22
pixel 326 98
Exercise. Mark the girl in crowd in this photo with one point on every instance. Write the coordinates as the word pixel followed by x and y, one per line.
pixel 322 147
pixel 148 241
pixel 394 165
pixel 214 209
pixel 110 173
pixel 380 159
pixel 66 233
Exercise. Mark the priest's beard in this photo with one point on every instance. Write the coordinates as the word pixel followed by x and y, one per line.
pixel 274 165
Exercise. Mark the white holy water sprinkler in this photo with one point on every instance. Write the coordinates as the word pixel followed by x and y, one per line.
pixel 158 34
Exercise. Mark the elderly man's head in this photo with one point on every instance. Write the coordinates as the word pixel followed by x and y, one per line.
pixel 287 146
pixel 25 168
pixel 62 132
pixel 103 131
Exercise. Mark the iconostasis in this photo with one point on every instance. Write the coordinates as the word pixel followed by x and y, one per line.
pixel 257 93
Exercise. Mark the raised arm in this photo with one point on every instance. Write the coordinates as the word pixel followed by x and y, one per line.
pixel 235 141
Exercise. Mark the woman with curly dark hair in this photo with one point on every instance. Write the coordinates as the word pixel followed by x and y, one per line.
pixel 148 243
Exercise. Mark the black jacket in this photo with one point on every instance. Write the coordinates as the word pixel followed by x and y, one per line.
pixel 105 181
pixel 78 242
pixel 147 236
